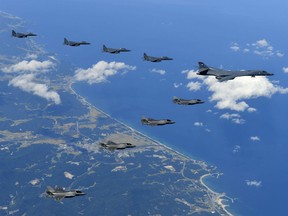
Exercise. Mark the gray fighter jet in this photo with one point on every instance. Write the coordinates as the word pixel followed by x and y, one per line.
pixel 155 59
pixel 22 35
pixel 72 43
pixel 110 145
pixel 114 51
pixel 59 193
pixel 224 75
pixel 154 122
pixel 186 102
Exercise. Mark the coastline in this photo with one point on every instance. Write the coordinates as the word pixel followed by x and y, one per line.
pixel 218 198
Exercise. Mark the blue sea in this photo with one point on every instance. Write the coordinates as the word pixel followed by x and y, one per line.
pixel 188 32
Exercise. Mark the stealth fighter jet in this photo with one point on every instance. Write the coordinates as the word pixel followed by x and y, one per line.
pixel 22 35
pixel 155 59
pixel 59 193
pixel 224 75
pixel 110 145
pixel 154 122
pixel 186 102
pixel 72 43
pixel 113 50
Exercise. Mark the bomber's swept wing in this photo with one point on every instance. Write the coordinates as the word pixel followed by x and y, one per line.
pixel 225 78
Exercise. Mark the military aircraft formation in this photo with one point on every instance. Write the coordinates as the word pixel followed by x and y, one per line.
pixel 221 75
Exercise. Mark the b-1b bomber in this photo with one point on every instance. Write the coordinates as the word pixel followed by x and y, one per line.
pixel 73 43
pixel 113 50
pixel 154 122
pixel 22 35
pixel 110 145
pixel 181 101
pixel 155 59
pixel 224 75
pixel 59 193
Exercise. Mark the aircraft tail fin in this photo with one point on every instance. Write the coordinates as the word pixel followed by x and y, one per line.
pixel 65 41
pixel 104 48
pixel 13 33
pixel 203 68
pixel 145 56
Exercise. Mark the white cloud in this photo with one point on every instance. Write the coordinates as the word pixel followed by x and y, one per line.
pixel 159 71
pixel 235 47
pixel 194 86
pixel 234 117
pixel 30 66
pixel 254 138
pixel 177 85
pixel 254 183
pixel 26 83
pixel 261 47
pixel 100 71
pixel 251 109
pixel 279 54
pixel 285 69
pixel 236 149
pixel 261 43
pixel 68 175
pixel 198 124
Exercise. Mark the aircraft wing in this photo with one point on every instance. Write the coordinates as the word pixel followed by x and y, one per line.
pixel 225 78
pixel 59 197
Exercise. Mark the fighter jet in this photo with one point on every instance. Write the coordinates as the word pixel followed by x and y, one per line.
pixel 154 122
pixel 224 75
pixel 110 145
pixel 114 51
pixel 155 59
pixel 22 35
pixel 72 43
pixel 59 193
pixel 186 102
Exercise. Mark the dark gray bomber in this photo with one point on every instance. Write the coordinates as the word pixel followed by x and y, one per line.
pixel 224 75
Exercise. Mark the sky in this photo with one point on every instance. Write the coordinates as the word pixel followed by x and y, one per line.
pixel 240 128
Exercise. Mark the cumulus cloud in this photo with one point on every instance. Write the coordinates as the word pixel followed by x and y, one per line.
pixel 177 85
pixel 30 66
pixel 68 175
pixel 198 124
pixel 100 71
pixel 261 47
pixel 285 69
pixel 254 183
pixel 234 117
pixel 159 71
pixel 236 149
pixel 194 86
pixel 243 88
pixel 254 138
pixel 235 47
pixel 27 83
